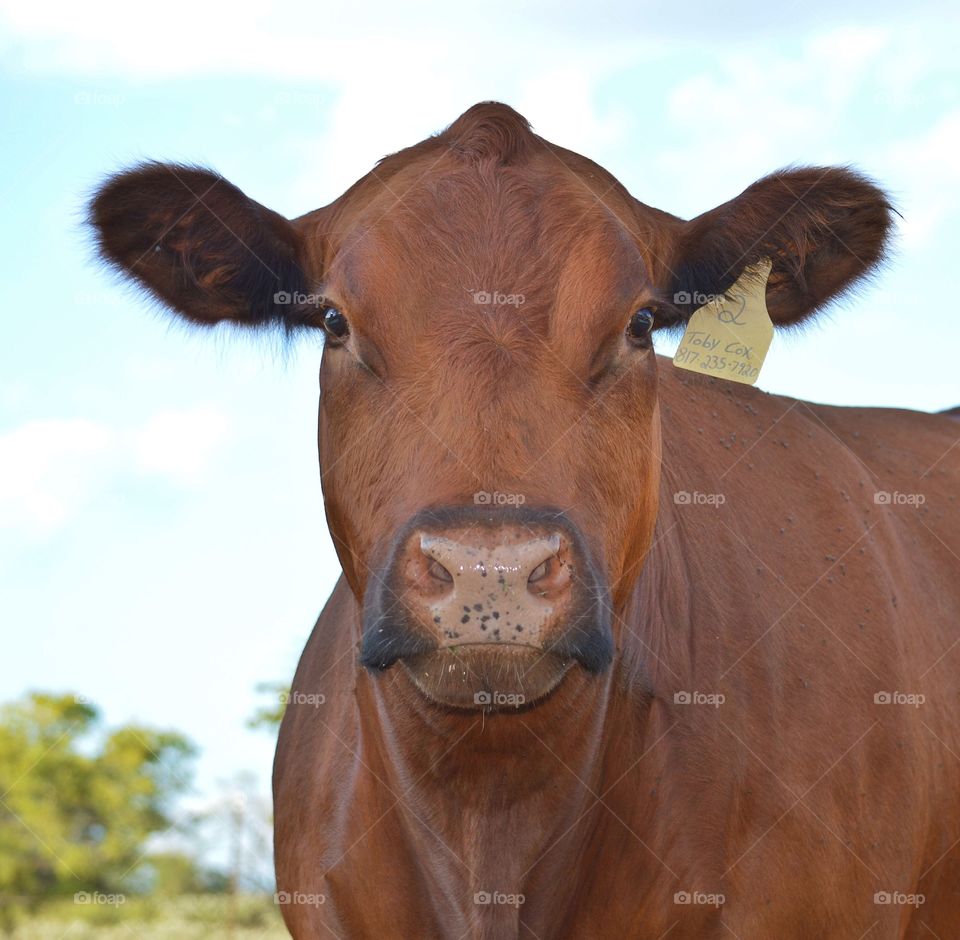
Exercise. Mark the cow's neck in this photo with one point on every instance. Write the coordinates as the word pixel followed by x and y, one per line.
pixel 514 803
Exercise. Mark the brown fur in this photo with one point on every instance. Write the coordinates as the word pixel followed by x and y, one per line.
pixel 798 599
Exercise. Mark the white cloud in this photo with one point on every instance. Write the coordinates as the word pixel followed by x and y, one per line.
pixel 45 469
pixel 560 102
pixel 925 172
pixel 51 470
pixel 740 117
pixel 283 39
pixel 181 445
pixel 345 42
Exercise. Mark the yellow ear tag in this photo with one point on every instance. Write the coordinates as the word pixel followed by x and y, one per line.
pixel 729 336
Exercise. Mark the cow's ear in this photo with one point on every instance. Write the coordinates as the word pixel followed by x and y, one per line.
pixel 199 245
pixel 822 228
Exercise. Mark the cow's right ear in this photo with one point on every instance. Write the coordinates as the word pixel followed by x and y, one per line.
pixel 199 245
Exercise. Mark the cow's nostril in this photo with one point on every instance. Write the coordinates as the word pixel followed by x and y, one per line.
pixel 437 571
pixel 539 572
pixel 551 577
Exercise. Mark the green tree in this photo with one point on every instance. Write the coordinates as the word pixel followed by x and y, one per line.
pixel 174 873
pixel 78 802
pixel 269 715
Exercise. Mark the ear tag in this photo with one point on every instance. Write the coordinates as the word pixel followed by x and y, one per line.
pixel 729 336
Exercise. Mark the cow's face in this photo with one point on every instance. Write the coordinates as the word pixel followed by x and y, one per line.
pixel 489 429
pixel 486 372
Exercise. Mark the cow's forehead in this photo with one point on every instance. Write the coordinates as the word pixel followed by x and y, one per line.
pixel 529 237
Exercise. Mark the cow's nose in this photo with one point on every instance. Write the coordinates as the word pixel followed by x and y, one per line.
pixel 480 590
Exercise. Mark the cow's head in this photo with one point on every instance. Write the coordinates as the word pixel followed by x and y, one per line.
pixel 489 429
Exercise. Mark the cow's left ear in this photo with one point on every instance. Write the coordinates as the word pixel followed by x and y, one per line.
pixel 822 228
pixel 199 245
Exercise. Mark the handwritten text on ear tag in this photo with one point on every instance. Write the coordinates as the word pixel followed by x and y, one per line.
pixel 729 336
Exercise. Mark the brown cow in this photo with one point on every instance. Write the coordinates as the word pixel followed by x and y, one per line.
pixel 619 651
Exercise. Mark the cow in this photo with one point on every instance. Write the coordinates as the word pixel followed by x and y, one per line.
pixel 619 650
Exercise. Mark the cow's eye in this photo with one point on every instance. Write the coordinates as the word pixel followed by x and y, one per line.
pixel 335 323
pixel 640 325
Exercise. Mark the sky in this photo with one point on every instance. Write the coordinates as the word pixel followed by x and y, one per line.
pixel 163 547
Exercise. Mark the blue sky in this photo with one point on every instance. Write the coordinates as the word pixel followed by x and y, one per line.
pixel 162 541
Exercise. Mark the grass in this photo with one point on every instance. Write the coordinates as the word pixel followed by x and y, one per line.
pixel 191 917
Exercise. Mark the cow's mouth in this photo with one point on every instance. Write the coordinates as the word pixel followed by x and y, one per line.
pixel 502 676
pixel 509 677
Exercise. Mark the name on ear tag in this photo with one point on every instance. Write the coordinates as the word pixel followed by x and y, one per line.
pixel 728 337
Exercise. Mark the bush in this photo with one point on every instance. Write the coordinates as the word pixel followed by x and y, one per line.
pixel 192 917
